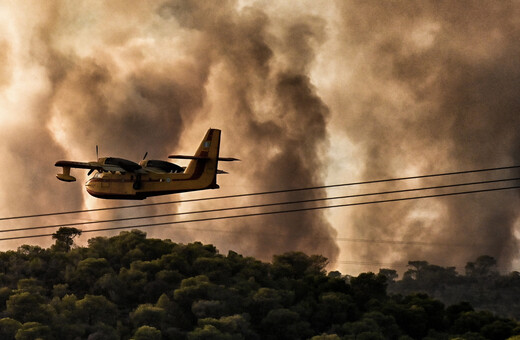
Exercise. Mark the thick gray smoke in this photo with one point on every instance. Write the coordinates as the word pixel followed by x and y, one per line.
pixel 437 90
pixel 273 115
pixel 303 92
pixel 95 84
pixel 137 80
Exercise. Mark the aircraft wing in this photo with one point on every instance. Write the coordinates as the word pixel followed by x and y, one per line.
pixel 80 165
pixel 94 166
pixel 67 165
pixel 107 164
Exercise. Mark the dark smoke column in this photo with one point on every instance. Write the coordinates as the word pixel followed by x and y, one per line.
pixel 275 120
pixel 435 88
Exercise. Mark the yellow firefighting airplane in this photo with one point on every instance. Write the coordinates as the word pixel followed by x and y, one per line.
pixel 118 178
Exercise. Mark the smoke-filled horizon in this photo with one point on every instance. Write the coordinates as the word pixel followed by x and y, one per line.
pixel 305 93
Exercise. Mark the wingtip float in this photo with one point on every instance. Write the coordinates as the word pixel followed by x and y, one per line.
pixel 118 178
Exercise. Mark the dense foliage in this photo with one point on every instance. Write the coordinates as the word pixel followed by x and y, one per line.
pixel 129 286
pixel 481 285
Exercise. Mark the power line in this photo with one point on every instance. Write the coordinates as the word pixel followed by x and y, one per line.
pixel 402 242
pixel 276 212
pixel 339 239
pixel 370 263
pixel 261 193
pixel 258 205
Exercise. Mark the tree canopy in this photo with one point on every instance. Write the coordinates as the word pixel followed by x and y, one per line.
pixel 132 287
pixel 481 285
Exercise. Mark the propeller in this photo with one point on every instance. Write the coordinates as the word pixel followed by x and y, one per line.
pixel 145 154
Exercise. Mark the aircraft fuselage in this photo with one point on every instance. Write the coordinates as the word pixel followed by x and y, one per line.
pixel 131 186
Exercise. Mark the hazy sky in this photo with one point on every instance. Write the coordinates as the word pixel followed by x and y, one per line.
pixel 306 93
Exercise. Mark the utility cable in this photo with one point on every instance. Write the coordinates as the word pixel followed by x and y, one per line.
pixel 369 263
pixel 262 193
pixel 258 205
pixel 276 212
pixel 339 239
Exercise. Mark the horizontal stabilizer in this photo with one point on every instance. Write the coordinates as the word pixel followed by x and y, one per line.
pixel 228 159
pixel 186 157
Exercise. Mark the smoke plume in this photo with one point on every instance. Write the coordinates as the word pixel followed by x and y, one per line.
pixel 135 79
pixel 436 90
pixel 304 93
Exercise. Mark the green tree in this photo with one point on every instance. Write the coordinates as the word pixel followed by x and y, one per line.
pixel 195 250
pixel 93 309
pixel 497 330
pixel 65 238
pixel 267 299
pixel 363 329
pixel 208 308
pixel 454 311
pixel 133 282
pixel 147 333
pixel 87 272
pixel 210 332
pixel 109 285
pixel 60 289
pixel 386 324
pixel 368 286
pixel 334 308
pixel 30 285
pixel 296 265
pixel 67 324
pixel 148 315
pixel 237 326
pixel 283 323
pixel 175 316
pixel 193 289
pixel 248 271
pixel 326 337
pixel 217 269
pixel 8 328
pixel 390 274
pixel 472 321
pixel 33 331
pixel 484 266
pixel 102 331
pixel 5 292
pixel 26 306
pixel 433 309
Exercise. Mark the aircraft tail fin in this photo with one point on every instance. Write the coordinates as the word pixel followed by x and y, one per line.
pixel 203 164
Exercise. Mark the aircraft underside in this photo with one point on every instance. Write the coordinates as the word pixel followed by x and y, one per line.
pixel 115 186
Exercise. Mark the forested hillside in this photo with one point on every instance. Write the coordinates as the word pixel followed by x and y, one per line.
pixel 481 285
pixel 128 286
